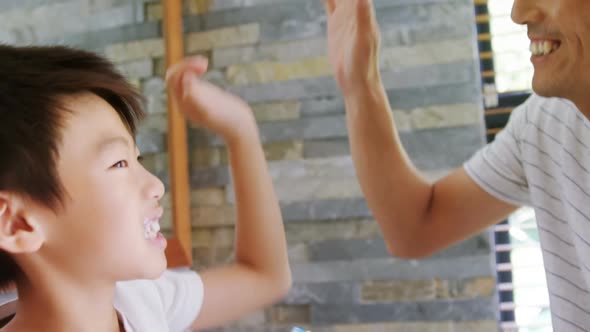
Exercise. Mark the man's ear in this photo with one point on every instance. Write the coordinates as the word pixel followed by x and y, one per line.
pixel 20 232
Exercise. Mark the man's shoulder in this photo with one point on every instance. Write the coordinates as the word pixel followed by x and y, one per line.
pixel 538 108
pixel 538 115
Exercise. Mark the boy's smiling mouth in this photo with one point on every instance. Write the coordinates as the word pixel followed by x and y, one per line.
pixel 152 230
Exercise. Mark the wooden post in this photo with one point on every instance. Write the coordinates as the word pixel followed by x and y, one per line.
pixel 179 251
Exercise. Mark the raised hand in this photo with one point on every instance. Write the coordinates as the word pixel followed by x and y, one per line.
pixel 207 105
pixel 353 43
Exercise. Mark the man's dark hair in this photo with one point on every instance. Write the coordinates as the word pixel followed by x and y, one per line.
pixel 33 84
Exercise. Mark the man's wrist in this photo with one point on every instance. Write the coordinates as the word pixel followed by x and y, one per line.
pixel 364 93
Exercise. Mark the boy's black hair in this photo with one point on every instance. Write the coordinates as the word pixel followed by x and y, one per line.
pixel 33 84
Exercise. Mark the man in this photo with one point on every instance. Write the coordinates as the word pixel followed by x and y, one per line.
pixel 541 159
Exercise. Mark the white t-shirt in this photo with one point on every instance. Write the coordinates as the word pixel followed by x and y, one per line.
pixel 168 304
pixel 542 159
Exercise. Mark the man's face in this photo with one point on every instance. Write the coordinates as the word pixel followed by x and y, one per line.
pixel 110 202
pixel 560 41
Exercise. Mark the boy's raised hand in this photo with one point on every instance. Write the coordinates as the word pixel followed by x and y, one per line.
pixel 205 104
pixel 260 274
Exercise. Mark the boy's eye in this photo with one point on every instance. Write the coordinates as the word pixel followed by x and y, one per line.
pixel 140 158
pixel 121 164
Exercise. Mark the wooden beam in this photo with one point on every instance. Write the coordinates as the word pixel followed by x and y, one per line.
pixel 179 251
pixel 497 111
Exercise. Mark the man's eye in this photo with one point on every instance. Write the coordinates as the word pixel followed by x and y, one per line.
pixel 121 164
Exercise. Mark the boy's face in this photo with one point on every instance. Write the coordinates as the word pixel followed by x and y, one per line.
pixel 565 26
pixel 101 230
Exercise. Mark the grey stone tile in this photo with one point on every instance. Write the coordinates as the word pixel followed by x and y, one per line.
pixel 460 310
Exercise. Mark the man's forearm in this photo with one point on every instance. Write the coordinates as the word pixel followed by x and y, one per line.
pixel 397 195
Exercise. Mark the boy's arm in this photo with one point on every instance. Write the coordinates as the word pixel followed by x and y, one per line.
pixel 260 274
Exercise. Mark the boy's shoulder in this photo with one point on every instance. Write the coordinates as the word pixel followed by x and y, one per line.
pixel 169 303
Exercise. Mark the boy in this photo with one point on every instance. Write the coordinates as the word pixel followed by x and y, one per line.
pixel 79 214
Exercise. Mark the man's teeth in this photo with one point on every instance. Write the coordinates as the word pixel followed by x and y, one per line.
pixel 543 47
pixel 152 227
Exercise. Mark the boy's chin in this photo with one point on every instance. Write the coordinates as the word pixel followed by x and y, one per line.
pixel 150 268
pixel 156 267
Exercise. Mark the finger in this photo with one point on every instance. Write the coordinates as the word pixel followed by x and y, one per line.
pixel 330 6
pixel 187 84
pixel 197 64
pixel 197 97
pixel 202 100
pixel 365 14
pixel 189 68
pixel 191 83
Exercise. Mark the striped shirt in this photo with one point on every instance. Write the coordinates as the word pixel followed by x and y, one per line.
pixel 542 159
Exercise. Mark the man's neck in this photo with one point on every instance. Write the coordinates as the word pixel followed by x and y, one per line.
pixel 44 306
pixel 582 102
pixel 584 107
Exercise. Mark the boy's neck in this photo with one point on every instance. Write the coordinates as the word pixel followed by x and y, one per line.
pixel 65 306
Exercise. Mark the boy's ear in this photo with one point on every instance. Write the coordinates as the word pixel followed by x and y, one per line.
pixel 19 232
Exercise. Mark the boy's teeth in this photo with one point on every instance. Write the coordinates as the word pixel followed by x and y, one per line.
pixel 152 227
pixel 156 227
pixel 543 47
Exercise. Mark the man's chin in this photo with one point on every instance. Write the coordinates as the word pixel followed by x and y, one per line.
pixel 546 88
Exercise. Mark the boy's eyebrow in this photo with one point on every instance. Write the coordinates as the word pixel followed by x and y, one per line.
pixel 106 144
